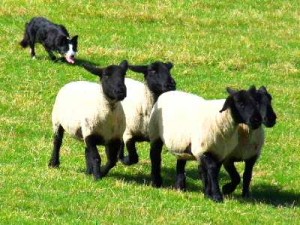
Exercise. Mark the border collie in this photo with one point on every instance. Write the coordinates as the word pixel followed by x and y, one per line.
pixel 54 38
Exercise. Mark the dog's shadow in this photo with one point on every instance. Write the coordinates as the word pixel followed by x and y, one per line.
pixel 78 62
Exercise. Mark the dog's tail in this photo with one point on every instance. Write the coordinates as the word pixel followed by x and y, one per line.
pixel 25 42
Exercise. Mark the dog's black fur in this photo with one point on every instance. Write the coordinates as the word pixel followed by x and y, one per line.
pixel 54 38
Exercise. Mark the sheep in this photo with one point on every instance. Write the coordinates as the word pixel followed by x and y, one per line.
pixel 196 129
pixel 92 113
pixel 249 146
pixel 139 102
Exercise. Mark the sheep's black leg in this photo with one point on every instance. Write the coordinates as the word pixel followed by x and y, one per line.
pixel 213 168
pixel 234 176
pixel 93 157
pixel 121 151
pixel 112 150
pixel 57 142
pixel 205 180
pixel 249 164
pixel 180 175
pixel 132 157
pixel 155 156
pixel 89 166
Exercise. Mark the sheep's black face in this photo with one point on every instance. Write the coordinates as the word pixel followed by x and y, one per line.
pixel 113 84
pixel 264 100
pixel 159 78
pixel 112 79
pixel 244 108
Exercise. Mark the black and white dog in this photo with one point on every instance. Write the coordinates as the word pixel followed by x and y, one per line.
pixel 54 38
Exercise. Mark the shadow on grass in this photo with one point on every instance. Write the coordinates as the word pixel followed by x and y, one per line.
pixel 273 195
pixel 265 193
pixel 78 62
pixel 168 175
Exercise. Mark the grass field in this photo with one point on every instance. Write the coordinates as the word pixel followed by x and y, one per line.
pixel 213 44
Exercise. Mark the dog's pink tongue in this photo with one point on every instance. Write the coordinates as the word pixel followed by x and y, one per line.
pixel 70 60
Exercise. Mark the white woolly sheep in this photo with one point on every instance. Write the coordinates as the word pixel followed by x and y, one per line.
pixel 139 102
pixel 250 144
pixel 194 128
pixel 93 113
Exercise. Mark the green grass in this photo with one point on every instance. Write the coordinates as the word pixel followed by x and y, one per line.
pixel 213 44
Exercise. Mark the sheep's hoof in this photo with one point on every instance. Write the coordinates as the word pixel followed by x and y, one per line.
pixel 246 194
pixel 180 182
pixel 97 177
pixel 89 171
pixel 53 164
pixel 216 198
pixel 129 160
pixel 228 188
pixel 157 182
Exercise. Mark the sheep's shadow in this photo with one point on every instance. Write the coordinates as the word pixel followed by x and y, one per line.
pixel 272 195
pixel 168 175
pixel 266 194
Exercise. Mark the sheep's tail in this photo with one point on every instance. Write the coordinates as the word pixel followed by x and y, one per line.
pixel 25 42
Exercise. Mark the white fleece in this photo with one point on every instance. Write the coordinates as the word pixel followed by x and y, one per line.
pixel 137 107
pixel 82 109
pixel 183 120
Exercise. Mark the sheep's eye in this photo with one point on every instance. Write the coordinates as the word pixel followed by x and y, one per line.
pixel 152 72
pixel 105 76
pixel 242 105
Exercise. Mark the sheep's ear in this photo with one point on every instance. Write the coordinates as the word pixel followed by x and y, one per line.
pixel 230 91
pixel 252 87
pixel 227 104
pixel 263 89
pixel 252 90
pixel 139 69
pixel 169 65
pixel 124 64
pixel 94 70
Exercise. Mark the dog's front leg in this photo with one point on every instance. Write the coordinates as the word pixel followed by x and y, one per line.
pixel 51 55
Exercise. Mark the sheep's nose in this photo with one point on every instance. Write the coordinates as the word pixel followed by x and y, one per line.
pixel 121 90
pixel 256 121
pixel 270 121
pixel 171 85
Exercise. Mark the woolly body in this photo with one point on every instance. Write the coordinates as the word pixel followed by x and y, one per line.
pixel 137 107
pixel 190 126
pixel 82 110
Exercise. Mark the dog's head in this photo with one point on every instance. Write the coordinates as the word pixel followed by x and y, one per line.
pixel 67 47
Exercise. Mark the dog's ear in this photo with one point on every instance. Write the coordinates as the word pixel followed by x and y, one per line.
pixel 74 39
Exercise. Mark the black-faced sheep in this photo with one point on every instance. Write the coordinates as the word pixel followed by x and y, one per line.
pixel 194 128
pixel 250 145
pixel 93 113
pixel 139 102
